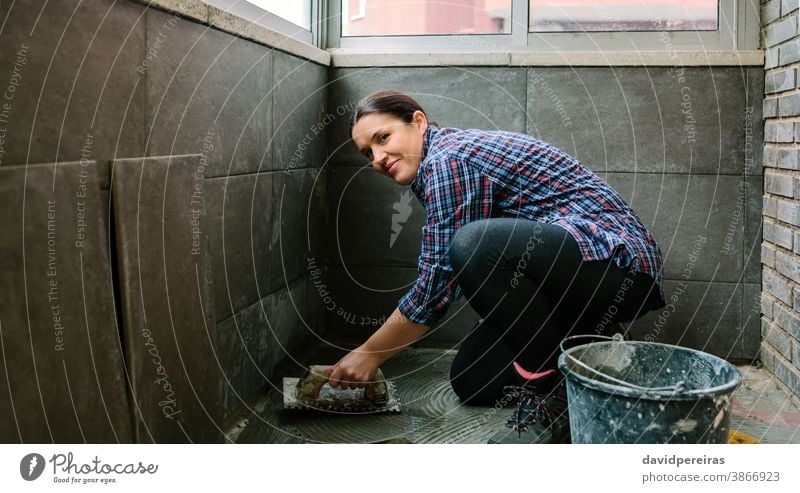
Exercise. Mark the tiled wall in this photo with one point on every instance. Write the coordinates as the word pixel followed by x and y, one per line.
pixel 682 145
pixel 780 250
pixel 252 111
pixel 103 81
pixel 299 233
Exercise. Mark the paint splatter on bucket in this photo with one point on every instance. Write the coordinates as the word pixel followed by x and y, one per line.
pixel 645 392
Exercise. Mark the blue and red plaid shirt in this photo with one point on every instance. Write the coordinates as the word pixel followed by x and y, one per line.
pixel 466 175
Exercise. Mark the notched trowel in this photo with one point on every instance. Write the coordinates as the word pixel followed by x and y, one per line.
pixel 312 391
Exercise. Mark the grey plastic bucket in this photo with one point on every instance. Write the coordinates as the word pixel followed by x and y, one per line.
pixel 644 392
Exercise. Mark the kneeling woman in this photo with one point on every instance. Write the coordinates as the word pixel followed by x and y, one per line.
pixel 540 246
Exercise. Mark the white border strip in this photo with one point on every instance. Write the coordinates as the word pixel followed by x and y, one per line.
pixel 399 468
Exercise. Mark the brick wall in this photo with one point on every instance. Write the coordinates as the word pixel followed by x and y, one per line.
pixel 780 249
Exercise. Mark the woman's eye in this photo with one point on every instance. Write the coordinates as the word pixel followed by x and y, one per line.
pixel 380 139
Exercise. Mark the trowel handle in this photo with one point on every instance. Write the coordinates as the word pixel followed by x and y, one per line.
pixel 310 385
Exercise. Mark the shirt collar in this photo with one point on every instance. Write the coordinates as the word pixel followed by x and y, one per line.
pixel 418 185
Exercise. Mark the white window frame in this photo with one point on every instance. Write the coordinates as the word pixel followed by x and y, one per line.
pixel 267 19
pixel 739 29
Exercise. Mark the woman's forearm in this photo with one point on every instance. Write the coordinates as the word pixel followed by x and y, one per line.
pixel 394 335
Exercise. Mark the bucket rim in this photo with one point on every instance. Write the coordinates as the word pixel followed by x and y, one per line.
pixel 655 395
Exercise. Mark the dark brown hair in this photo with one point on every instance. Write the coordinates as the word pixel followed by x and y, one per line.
pixel 388 101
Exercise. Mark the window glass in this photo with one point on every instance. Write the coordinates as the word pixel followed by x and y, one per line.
pixel 622 15
pixel 419 17
pixel 295 11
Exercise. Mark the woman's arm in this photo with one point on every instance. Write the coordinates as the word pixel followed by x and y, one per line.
pixel 360 365
pixel 456 193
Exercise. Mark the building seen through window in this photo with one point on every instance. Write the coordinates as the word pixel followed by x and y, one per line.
pixel 430 17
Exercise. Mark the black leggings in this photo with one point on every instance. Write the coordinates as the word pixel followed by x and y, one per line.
pixel 531 286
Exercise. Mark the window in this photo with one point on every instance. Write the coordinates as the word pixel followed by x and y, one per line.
pixel 298 13
pixel 622 15
pixel 291 18
pixel 422 17
pixel 543 25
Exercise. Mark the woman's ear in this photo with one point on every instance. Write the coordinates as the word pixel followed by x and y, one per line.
pixel 419 118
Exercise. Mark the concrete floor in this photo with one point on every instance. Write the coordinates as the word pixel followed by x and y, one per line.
pixel 431 413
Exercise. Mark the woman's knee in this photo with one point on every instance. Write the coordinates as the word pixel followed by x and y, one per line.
pixel 469 388
pixel 479 376
pixel 466 241
pixel 479 390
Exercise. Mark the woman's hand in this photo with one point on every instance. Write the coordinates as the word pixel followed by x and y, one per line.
pixel 356 370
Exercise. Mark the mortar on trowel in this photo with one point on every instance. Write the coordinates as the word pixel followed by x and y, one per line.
pixel 312 391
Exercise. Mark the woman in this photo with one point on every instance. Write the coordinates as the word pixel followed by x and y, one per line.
pixel 540 246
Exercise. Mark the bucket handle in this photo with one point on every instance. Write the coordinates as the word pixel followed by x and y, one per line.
pixel 679 387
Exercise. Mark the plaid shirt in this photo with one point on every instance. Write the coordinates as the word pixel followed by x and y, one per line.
pixel 466 175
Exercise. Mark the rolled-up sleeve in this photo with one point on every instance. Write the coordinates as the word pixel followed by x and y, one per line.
pixel 455 194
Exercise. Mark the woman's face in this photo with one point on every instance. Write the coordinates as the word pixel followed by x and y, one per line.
pixel 393 146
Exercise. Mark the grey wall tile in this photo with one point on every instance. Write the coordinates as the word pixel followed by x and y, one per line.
pixel 298 225
pixel 240 234
pixel 289 325
pixel 204 85
pixel 680 210
pixel 76 78
pixel 363 206
pixel 243 353
pixel 300 117
pixel 167 311
pixel 64 380
pixel 750 337
pixel 753 130
pixel 263 227
pixel 751 218
pixel 489 98
pixel 261 338
pixel 361 298
pixel 706 316
pixel 633 119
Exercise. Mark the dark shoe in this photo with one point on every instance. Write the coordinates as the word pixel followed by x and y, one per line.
pixel 541 415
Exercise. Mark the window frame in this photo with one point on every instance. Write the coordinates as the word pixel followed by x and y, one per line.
pixel 265 18
pixel 739 29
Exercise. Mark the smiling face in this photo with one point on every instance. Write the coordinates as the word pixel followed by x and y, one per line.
pixel 393 146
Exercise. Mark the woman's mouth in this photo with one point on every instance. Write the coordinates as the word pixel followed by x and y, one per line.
pixel 392 167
